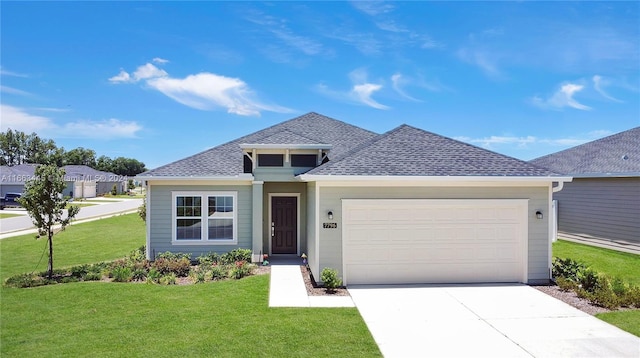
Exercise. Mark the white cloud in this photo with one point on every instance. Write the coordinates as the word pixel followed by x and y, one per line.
pixel 11 90
pixel 122 77
pixel 360 92
pixel 398 82
pixel 598 83
pixel 563 97
pixel 160 60
pixel 365 43
pixel 148 71
pixel 107 129
pixel 495 141
pixel 4 72
pixel 206 91
pixel 373 8
pixel 485 60
pixel 20 119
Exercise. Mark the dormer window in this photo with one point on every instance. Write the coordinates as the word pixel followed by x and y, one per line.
pixel 270 160
pixel 304 160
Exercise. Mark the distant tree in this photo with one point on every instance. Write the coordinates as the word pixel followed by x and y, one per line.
pixel 12 147
pixel 142 210
pixel 127 166
pixel 104 164
pixel 44 202
pixel 80 156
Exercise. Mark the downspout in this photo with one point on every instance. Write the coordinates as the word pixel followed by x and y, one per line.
pixel 556 189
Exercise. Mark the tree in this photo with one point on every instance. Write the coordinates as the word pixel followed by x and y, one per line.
pixel 80 156
pixel 44 202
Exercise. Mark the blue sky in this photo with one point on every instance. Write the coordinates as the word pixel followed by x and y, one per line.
pixel 159 81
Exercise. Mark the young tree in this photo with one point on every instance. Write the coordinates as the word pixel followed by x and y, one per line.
pixel 43 201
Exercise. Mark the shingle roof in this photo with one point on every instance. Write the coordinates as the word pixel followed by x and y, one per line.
pixel 21 173
pixel 409 151
pixel 227 159
pixel 615 154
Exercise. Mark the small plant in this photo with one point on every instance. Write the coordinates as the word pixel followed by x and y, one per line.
pixel 200 274
pixel 138 255
pixel 92 276
pixel 567 268
pixel 330 279
pixel 218 272
pixel 121 274
pixel 209 258
pixel 114 190
pixel 588 280
pixel 180 267
pixel 25 280
pixel 240 270
pixel 566 284
pixel 173 255
pixel 169 279
pixel 139 274
pixel 236 255
pixel 153 276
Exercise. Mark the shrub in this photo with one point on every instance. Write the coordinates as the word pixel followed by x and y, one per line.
pixel 567 268
pixel 139 274
pixel 200 274
pixel 92 276
pixel 236 255
pixel 603 294
pixel 632 297
pixel 566 284
pixel 25 280
pixel 153 276
pixel 180 267
pixel 219 272
pixel 209 258
pixel 241 269
pixel 330 279
pixel 121 274
pixel 173 256
pixel 80 270
pixel 114 190
pixel 169 279
pixel 619 287
pixel 589 280
pixel 138 255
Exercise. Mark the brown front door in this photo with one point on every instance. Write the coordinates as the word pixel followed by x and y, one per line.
pixel 284 225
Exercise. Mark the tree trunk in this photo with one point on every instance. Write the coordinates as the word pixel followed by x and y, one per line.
pixel 50 255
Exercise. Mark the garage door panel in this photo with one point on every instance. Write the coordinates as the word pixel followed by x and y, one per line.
pixel 450 241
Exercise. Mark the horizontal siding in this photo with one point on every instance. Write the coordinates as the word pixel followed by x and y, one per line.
pixel 538 244
pixel 602 207
pixel 161 225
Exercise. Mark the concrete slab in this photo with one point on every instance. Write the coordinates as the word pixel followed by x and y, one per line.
pixel 484 321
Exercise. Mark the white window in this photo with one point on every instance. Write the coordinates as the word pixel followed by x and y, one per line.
pixel 208 218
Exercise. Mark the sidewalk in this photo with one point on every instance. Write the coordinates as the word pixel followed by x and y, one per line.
pixel 287 287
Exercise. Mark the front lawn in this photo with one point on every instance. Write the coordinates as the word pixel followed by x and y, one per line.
pixel 218 319
pixel 614 264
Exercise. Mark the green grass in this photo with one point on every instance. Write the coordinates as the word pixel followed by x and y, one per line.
pixel 220 319
pixel 100 240
pixel 613 263
pixel 7 215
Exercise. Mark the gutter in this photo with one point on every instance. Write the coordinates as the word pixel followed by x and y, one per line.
pixel 371 178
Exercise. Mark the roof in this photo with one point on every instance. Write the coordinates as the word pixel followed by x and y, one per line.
pixel 226 160
pixel 615 155
pixel 409 151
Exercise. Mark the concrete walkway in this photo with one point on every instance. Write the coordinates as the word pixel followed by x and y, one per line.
pixel 287 287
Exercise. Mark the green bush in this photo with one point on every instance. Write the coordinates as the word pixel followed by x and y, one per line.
pixel 153 276
pixel 567 268
pixel 209 258
pixel 138 255
pixel 566 284
pixel 173 255
pixel 25 280
pixel 219 272
pixel 330 279
pixel 200 274
pixel 180 267
pixel 632 297
pixel 121 274
pixel 236 255
pixel 619 287
pixel 241 269
pixel 169 279
pixel 589 280
pixel 114 190
pixel 92 276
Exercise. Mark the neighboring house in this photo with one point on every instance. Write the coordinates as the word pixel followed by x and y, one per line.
pixel 82 181
pixel 603 200
pixel 407 206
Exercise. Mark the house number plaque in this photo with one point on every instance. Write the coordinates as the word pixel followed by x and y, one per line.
pixel 330 225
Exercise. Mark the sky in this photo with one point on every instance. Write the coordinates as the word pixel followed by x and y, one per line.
pixel 160 81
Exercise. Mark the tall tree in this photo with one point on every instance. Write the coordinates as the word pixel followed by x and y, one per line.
pixel 80 156
pixel 44 202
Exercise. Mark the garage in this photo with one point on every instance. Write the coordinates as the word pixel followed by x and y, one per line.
pixel 404 241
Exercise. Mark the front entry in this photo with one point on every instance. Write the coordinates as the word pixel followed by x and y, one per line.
pixel 284 225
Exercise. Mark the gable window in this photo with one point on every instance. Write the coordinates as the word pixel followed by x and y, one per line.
pixel 270 160
pixel 204 218
pixel 304 160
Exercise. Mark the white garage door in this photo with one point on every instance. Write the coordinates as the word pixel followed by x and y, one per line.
pixel 434 241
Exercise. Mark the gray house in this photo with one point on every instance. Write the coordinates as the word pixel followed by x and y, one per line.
pixel 603 200
pixel 406 206
pixel 82 181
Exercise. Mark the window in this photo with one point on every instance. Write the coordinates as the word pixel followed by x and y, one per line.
pixel 270 160
pixel 304 160
pixel 205 218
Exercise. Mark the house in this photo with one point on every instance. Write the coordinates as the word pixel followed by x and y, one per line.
pixel 81 181
pixel 603 200
pixel 406 206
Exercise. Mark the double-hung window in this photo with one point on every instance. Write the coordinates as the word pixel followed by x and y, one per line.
pixel 205 218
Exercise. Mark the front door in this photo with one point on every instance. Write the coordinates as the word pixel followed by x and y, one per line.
pixel 284 225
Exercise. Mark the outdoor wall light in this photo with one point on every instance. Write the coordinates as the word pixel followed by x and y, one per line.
pixel 539 214
pixel 330 215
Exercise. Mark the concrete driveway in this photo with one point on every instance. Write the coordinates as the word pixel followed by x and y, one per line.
pixel 484 321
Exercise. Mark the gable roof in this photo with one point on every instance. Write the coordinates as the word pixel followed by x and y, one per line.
pixel 226 160
pixel 409 151
pixel 615 155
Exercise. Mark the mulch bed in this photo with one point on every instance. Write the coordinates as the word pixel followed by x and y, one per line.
pixel 570 298
pixel 314 290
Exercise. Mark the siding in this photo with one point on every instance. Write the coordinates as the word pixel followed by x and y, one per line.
pixel 603 207
pixel 161 225
pixel 538 244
